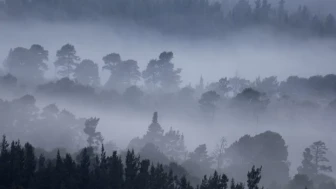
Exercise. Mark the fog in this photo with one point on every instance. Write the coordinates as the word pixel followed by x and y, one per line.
pixel 133 124
pixel 249 53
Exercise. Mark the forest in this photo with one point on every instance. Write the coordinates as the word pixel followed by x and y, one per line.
pixel 167 94
pixel 191 17
pixel 52 147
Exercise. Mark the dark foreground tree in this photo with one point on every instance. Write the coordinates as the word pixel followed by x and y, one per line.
pixel 94 171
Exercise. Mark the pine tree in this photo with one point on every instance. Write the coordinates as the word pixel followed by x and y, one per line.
pixel 307 166
pixel 253 178
pixel 29 165
pixel 84 168
pixel 70 172
pixel 155 132
pixel 224 181
pixel 67 60
pixel 170 180
pixel 205 183
pixel 143 176
pixel 16 163
pixel 319 151
pixel 116 171
pixel 184 184
pixel 131 169
pixel 4 163
pixel 58 173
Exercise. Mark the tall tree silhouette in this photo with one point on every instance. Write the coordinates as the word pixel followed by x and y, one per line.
pixel 161 73
pixel 123 74
pixel 95 139
pixel 67 60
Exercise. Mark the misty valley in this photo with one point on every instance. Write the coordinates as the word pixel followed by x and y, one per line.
pixel 167 94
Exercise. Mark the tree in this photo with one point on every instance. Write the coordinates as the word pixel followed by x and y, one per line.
pixel 67 60
pixel 116 171
pixel 186 95
pixel 300 181
pixel 28 64
pixel 319 151
pixel 281 12
pixel 266 149
pixel 200 87
pixel 174 146
pixel 111 61
pixel 131 169
pixel 142 179
pixel 307 166
pixel 251 102
pixel 257 11
pixel 201 157
pixel 242 13
pixel 84 169
pixel 207 102
pixel 123 74
pixel 95 139
pixel 221 87
pixel 29 166
pixel 152 152
pixel 133 95
pixel 90 171
pixel 330 25
pixel 238 84
pixel 268 85
pixel 128 72
pixel 155 132
pixel 87 73
pixel 266 8
pixel 161 73
pixel 154 135
pixel 253 178
pixel 4 163
pixel 219 152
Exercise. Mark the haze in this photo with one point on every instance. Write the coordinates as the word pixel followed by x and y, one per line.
pixel 257 86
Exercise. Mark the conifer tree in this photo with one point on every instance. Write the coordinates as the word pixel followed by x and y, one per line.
pixel 131 169
pixel 253 178
pixel 84 169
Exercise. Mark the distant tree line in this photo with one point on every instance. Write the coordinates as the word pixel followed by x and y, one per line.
pixel 159 85
pixel 30 65
pixel 178 16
